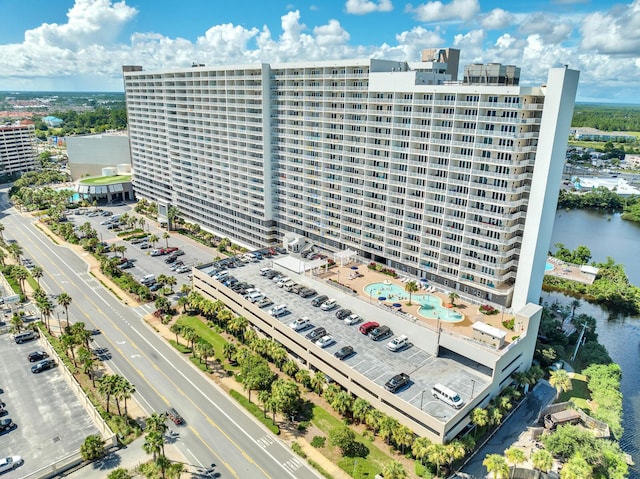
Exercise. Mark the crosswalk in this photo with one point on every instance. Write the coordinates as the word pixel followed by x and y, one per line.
pixel 291 465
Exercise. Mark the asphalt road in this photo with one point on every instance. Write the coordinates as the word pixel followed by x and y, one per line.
pixel 216 430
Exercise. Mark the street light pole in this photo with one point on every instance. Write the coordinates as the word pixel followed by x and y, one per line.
pixel 473 387
pixel 422 398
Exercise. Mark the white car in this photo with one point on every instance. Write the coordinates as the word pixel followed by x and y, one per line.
pixel 328 305
pixel 325 341
pixel 396 344
pixel 353 319
pixel 300 324
pixel 183 269
pixel 10 462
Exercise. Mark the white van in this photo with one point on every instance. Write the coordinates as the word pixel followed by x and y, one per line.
pixel 288 285
pixel 282 281
pixel 447 396
pixel 148 279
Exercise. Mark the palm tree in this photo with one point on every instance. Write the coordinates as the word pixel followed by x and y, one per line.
pixel 411 287
pixel 46 309
pixel 156 422
pixel 561 381
pixel 153 239
pixel 420 448
pixel 20 274
pixel 515 456
pixel 223 317
pixel 107 387
pixel 387 425
pixel 360 408
pixel 177 330
pixel 238 325
pixel 171 281
pixel 229 349
pixel 205 349
pixel 92 448
pixel 496 465
pixel 495 415
pixel 394 470
pixel 456 451
pixel 190 335
pixel 403 437
pixel 119 473
pixel 575 304
pixel 153 443
pixel 318 380
pixel 452 297
pixel 542 460
pixel 165 237
pixel 342 403
pixel 480 417
pixel 88 363
pixel 125 391
pixel 37 273
pixel 373 420
pixel 17 322
pixel 65 300
pixel 437 454
pixel 576 468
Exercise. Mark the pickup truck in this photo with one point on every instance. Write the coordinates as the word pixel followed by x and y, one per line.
pixel 397 382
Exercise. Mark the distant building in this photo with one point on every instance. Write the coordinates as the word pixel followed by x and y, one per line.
pixel 89 154
pixel 17 148
pixel 592 134
pixel 52 121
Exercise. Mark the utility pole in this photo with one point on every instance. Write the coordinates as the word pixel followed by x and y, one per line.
pixel 575 351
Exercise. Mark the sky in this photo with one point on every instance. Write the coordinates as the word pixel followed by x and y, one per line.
pixel 81 45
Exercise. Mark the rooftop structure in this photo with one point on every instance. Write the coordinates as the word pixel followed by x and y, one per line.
pixel 451 181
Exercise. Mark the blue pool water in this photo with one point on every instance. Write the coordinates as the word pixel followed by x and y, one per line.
pixel 548 267
pixel 431 306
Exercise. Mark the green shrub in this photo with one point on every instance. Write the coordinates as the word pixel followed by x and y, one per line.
pixel 295 447
pixel 318 441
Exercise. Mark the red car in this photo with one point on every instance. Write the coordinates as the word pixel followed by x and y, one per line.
pixel 366 328
pixel 175 416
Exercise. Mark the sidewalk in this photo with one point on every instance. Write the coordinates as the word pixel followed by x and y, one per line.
pixel 128 457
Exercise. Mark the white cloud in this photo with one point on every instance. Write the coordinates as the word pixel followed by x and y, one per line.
pixel 438 11
pixel 331 34
pixel 616 31
pixel 89 22
pixel 362 7
pixel 497 19
pixel 550 29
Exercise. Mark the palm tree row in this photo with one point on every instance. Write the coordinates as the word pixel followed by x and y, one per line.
pixel 113 386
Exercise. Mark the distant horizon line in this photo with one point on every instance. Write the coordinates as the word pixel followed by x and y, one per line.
pixel 84 92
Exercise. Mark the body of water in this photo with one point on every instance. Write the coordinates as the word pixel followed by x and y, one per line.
pixel 609 235
pixel 605 235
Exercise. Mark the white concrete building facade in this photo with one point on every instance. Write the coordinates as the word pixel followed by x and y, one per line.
pixel 17 148
pixel 452 181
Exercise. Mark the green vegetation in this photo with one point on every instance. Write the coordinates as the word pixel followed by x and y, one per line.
pixel 256 411
pixel 604 384
pixel 106 180
pixel 93 121
pixel 611 288
pixel 607 117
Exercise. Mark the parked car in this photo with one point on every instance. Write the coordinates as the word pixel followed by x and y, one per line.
pixel 316 334
pixel 353 319
pixel 397 382
pixel 398 344
pixel 43 366
pixel 145 245
pixel 9 463
pixel 329 305
pixel 6 424
pixel 306 292
pixel 178 252
pixel 155 287
pixel 264 302
pixel 127 265
pixel 183 269
pixel 300 324
pixel 175 416
pixel 380 333
pixel 37 356
pixel 344 352
pixel 325 341
pixel 318 300
pixel 366 328
pixel 343 313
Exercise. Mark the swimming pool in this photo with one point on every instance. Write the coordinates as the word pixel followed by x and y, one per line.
pixel 431 306
pixel 548 266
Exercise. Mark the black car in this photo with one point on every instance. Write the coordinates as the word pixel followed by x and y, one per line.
pixel 170 259
pixel 306 292
pixel 344 352
pixel 380 333
pixel 6 424
pixel 178 252
pixel 155 287
pixel 37 356
pixel 271 274
pixel 397 382
pixel 127 265
pixel 318 300
pixel 316 334
pixel 43 366
pixel 175 416
pixel 343 313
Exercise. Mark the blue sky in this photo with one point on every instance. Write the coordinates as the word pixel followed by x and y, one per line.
pixel 81 44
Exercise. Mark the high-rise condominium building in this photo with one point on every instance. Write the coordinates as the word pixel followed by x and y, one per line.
pixel 453 181
pixel 17 147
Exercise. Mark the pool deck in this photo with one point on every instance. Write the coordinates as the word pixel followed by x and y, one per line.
pixel 471 312
pixel 568 271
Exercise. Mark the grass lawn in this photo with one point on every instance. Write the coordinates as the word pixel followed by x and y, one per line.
pixel 580 394
pixel 206 333
pixel 106 180
pixel 366 467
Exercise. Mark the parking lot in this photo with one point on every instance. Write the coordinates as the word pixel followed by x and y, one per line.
pixel 371 358
pixel 50 422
